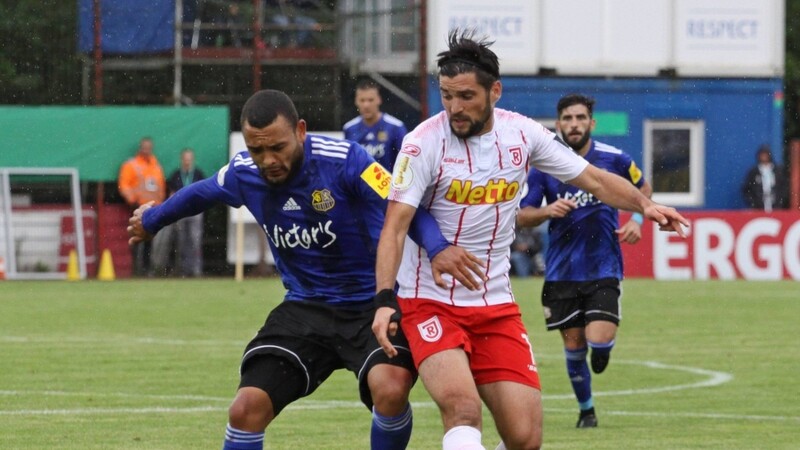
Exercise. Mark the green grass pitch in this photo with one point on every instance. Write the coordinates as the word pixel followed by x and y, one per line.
pixel 153 364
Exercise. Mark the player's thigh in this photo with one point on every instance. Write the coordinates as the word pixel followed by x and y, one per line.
pixel 378 375
pixel 562 305
pixel 517 412
pixel 448 379
pixel 602 301
pixel 289 349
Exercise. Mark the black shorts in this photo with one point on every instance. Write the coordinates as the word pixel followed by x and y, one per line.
pixel 316 339
pixel 571 304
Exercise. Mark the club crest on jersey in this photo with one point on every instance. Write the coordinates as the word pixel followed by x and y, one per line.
pixel 516 156
pixel 383 136
pixel 430 330
pixel 404 174
pixel 322 200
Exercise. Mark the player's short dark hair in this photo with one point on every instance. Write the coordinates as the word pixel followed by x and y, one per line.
pixel 468 54
pixel 367 83
pixel 263 107
pixel 575 99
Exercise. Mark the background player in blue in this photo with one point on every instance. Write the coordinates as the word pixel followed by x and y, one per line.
pixel 583 269
pixel 380 133
pixel 321 203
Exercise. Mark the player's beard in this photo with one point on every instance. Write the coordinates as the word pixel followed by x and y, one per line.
pixel 475 126
pixel 296 163
pixel 578 145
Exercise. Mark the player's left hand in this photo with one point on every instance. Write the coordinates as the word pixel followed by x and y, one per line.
pixel 135 228
pixel 631 232
pixel 460 264
pixel 668 218
pixel 383 326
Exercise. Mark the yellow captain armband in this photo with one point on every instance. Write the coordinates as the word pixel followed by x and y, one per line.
pixel 378 178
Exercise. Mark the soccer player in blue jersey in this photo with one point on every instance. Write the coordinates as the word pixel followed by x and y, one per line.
pixel 583 269
pixel 321 203
pixel 380 133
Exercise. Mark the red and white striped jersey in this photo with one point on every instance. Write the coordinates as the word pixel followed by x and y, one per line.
pixel 473 188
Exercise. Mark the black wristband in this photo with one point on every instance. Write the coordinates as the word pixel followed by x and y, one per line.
pixel 386 297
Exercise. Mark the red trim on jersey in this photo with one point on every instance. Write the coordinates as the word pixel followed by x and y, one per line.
pixel 438 177
pixel 489 251
pixel 418 271
pixel 523 137
pixel 469 156
pixel 455 242
pixel 499 153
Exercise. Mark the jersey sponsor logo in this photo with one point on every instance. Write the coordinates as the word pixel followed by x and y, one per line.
pixel 495 191
pixel 430 330
pixel 291 205
pixel 404 174
pixel 378 179
pixel 319 234
pixel 516 156
pixel 581 198
pixel 451 160
pixel 322 200
pixel 634 172
pixel 376 150
pixel 410 149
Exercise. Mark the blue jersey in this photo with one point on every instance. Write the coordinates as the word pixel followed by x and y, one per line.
pixel 323 224
pixel 583 245
pixel 383 140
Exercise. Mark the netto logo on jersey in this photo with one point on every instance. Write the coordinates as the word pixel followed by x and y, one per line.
pixel 495 191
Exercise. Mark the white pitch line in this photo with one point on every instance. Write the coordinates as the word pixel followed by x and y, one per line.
pixel 321 405
pixel 117 340
pixel 14 393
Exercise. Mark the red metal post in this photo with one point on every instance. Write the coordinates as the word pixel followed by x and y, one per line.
pixel 794 175
pixel 258 45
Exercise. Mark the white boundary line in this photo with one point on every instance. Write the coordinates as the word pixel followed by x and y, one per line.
pixel 713 378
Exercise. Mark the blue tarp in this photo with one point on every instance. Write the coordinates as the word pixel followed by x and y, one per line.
pixel 128 26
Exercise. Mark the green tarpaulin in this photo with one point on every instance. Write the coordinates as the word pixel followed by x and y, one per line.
pixel 97 140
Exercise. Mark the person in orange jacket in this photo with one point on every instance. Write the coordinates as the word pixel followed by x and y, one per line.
pixel 141 180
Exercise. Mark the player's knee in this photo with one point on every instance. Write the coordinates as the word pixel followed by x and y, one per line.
pixel 251 410
pixel 460 410
pixel 523 440
pixel 390 393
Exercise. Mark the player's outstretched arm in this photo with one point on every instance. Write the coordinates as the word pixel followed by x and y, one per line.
pixel 390 251
pixel 617 192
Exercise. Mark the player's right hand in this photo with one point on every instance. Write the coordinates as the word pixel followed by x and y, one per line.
pixel 560 208
pixel 135 228
pixel 383 326
pixel 461 265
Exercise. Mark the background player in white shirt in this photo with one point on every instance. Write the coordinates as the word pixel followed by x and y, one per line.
pixel 467 165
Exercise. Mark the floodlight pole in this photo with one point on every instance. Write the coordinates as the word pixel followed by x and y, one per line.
pixel 177 87
pixel 98 55
pixel 423 59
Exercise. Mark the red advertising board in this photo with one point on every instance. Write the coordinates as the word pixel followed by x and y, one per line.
pixel 726 245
